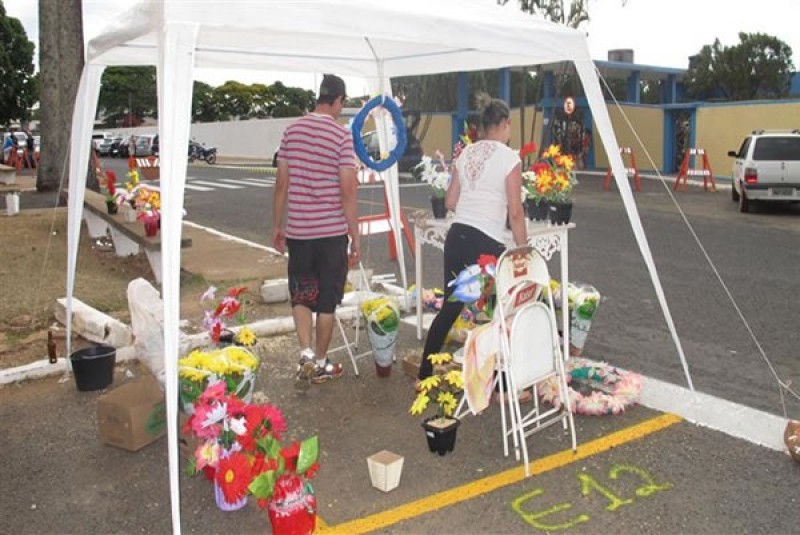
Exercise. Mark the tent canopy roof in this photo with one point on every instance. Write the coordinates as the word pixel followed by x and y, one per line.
pixel 348 37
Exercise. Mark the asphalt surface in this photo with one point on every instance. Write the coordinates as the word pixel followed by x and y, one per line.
pixel 640 472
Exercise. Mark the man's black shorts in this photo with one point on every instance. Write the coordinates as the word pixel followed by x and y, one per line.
pixel 318 272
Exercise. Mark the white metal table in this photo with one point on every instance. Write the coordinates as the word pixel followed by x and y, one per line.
pixel 547 239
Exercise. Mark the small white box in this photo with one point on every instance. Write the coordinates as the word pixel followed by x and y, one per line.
pixel 385 468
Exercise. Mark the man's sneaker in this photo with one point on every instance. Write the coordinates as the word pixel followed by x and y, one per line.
pixel 306 368
pixel 331 370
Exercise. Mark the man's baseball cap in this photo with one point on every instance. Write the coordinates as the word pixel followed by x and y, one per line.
pixel 332 86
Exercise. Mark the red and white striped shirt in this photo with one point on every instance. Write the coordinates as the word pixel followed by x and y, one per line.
pixel 315 147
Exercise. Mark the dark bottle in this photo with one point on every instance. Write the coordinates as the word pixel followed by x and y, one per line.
pixel 51 348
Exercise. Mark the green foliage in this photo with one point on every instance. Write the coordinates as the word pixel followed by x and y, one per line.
pixel 128 95
pixel 757 68
pixel 19 87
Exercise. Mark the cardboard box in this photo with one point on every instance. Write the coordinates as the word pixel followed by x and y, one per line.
pixel 132 415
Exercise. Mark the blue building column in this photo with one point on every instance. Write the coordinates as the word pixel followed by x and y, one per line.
pixel 504 84
pixel 669 90
pixel 634 87
pixel 462 107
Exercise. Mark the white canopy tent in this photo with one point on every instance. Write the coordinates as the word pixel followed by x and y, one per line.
pixel 365 38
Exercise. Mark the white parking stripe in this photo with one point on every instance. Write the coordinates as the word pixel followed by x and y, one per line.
pixel 248 182
pixel 216 184
pixel 197 188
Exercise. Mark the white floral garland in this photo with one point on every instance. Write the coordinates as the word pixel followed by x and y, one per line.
pixel 613 390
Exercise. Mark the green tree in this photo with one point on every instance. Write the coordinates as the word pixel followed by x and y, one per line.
pixel 128 95
pixel 234 100
pixel 758 67
pixel 204 106
pixel 18 91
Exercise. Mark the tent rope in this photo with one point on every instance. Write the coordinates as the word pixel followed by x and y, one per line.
pixel 783 386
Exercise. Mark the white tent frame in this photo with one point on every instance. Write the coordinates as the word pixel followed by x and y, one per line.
pixel 365 38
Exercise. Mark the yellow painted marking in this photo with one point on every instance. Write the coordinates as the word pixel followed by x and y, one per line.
pixel 321 525
pixel 491 483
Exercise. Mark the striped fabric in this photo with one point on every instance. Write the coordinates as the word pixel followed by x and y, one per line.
pixel 315 147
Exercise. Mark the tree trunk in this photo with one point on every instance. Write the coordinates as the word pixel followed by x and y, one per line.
pixel 60 65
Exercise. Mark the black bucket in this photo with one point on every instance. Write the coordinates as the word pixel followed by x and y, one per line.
pixel 93 367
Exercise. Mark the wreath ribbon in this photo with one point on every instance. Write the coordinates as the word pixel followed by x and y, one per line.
pixel 397 118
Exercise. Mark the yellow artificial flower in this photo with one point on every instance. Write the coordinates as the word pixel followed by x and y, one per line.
pixel 440 358
pixel 552 151
pixel 246 336
pixel 447 402
pixel 429 383
pixel 455 378
pixel 420 404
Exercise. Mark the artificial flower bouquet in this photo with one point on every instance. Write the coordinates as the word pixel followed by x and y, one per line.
pixel 241 450
pixel 431 298
pixel 233 366
pixel 582 303
pixel 221 311
pixel 552 178
pixel 435 174
pixel 440 389
pixel 474 286
pixel 383 321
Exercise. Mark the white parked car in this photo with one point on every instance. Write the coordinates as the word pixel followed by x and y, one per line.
pixel 767 168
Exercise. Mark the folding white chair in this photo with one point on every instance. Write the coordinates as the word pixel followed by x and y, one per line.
pixel 534 356
pixel 519 277
pixel 362 293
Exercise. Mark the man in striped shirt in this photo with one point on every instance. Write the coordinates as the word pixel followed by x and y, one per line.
pixel 317 189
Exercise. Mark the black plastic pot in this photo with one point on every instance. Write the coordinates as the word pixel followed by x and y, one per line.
pixel 537 211
pixel 441 440
pixel 438 207
pixel 93 367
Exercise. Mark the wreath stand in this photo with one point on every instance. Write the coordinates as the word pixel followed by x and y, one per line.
pixel 388 221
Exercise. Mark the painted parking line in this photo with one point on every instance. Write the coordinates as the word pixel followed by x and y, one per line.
pixel 494 482
pixel 257 182
pixel 216 184
pixel 192 187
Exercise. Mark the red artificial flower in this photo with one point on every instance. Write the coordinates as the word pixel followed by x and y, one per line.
pixel 311 473
pixel 538 167
pixel 216 332
pixel 234 476
pixel 290 454
pixel 528 148
pixel 236 291
pixel 111 179
pixel 486 260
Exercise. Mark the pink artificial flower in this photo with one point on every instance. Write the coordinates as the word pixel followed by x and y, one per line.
pixel 207 454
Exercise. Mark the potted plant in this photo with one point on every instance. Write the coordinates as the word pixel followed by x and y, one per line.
pixel 111 192
pixel 474 286
pixel 241 450
pixel 229 307
pixel 440 389
pixel 536 204
pixel 555 180
pixel 437 175
pixel 383 321
pixel 148 209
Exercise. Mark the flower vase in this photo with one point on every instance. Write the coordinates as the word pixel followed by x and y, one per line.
pixel 560 212
pixel 224 505
pixel 292 509
pixel 151 228
pixel 537 210
pixel 111 206
pixel 382 348
pixel 441 434
pixel 438 207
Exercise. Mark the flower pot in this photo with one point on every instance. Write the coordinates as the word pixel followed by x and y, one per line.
pixel 383 344
pixel 438 207
pixel 537 211
pixel 383 371
pixel 293 508
pixel 111 206
pixel 441 434
pixel 385 469
pixel 224 505
pixel 150 228
pixel 560 212
pixel 93 367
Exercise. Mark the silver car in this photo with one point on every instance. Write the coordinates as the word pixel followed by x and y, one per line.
pixel 766 168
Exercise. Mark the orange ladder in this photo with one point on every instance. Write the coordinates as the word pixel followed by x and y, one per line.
pixel 380 223
pixel 632 170
pixel 682 180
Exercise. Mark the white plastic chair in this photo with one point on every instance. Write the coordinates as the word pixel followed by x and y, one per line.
pixel 351 346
